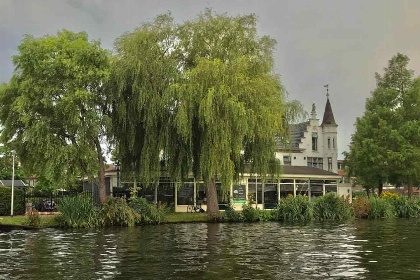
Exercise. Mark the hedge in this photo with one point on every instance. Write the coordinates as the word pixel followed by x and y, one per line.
pixel 18 203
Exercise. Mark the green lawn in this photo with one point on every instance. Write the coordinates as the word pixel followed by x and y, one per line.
pixel 46 221
pixel 186 217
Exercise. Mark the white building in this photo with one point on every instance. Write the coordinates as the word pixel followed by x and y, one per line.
pixel 311 143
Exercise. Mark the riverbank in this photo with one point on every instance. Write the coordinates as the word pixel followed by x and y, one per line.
pixel 49 221
pixel 117 213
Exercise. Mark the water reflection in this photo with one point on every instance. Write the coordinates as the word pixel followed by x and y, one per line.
pixel 357 250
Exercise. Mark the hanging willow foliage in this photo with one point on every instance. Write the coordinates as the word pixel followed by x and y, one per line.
pixel 201 96
pixel 142 71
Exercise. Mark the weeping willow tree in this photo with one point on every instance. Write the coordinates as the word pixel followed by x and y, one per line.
pixel 142 70
pixel 201 97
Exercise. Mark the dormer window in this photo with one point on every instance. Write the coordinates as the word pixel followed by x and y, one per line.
pixel 314 141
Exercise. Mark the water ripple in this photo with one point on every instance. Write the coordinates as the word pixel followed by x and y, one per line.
pixel 358 250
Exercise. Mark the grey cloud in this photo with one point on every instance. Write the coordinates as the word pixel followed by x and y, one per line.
pixel 342 43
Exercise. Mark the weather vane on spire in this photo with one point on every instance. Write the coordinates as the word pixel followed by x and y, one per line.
pixel 326 86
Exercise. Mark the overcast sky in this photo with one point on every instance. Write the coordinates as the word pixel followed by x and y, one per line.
pixel 342 43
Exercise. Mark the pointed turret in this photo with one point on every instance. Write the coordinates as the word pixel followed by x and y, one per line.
pixel 328 114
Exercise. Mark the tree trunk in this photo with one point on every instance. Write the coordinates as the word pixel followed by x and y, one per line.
pixel 212 204
pixel 410 188
pixel 101 173
pixel 380 188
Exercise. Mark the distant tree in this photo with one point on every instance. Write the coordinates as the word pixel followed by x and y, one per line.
pixel 53 111
pixel 197 96
pixel 6 165
pixel 385 145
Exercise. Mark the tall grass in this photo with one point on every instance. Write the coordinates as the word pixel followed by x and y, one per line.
pixel 231 215
pixel 406 207
pixel 33 219
pixel 249 213
pixel 77 212
pixel 148 213
pixel 294 209
pixel 116 212
pixel 380 208
pixel 331 207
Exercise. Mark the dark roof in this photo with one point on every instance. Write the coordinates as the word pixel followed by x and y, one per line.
pixel 298 170
pixel 8 183
pixel 328 114
pixel 296 133
pixel 306 170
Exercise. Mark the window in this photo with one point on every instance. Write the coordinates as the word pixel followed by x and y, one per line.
pixel 315 162
pixel 287 160
pixel 314 141
pixel 222 194
pixel 316 188
pixel 286 188
pixel 270 193
pixel 185 195
pixel 329 143
pixel 334 143
pixel 329 164
pixel 255 190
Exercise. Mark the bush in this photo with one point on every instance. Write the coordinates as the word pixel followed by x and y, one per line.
pixel 231 215
pixel 34 219
pixel 249 213
pixel 116 212
pixel 266 215
pixel 294 209
pixel 331 207
pixel 361 207
pixel 18 201
pixel 389 195
pixel 406 207
pixel 358 194
pixel 380 208
pixel 148 213
pixel 77 212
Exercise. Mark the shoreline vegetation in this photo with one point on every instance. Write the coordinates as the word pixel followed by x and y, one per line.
pixel 81 212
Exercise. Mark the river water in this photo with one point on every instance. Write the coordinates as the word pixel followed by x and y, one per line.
pixel 385 249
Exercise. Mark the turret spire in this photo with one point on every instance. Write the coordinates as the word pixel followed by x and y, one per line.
pixel 328 113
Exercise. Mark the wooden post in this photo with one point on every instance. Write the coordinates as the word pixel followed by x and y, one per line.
pixel 195 194
pixel 309 188
pixel 176 194
pixel 262 195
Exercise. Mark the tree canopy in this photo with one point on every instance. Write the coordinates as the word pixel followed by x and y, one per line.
pixel 53 110
pixel 201 96
pixel 385 146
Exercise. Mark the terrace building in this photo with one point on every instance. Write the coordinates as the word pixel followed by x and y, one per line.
pixel 309 162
